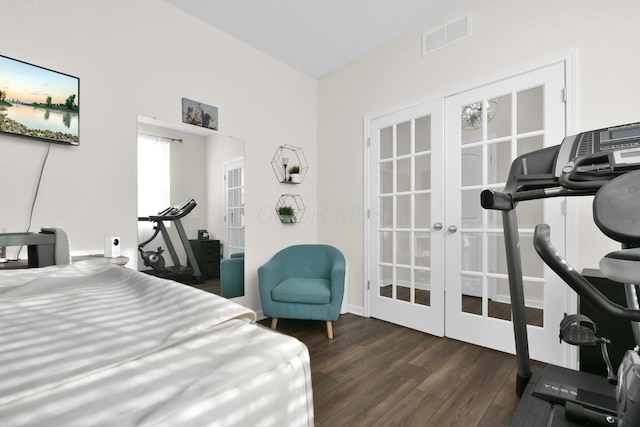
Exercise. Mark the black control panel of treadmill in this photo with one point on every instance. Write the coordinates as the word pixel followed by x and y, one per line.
pixel 624 139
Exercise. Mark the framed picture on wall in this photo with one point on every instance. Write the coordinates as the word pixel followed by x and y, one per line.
pixel 199 114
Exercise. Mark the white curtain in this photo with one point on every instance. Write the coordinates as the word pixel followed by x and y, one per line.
pixel 154 178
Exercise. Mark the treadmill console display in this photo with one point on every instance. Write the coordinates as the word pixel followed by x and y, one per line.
pixel 607 140
pixel 627 135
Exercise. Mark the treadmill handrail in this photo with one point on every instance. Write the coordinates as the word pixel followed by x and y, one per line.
pixel 172 213
pixel 495 200
pixel 542 244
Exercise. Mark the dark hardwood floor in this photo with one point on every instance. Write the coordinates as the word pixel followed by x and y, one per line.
pixel 374 373
pixel 210 285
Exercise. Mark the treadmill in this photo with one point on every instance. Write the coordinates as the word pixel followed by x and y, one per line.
pixel 580 166
pixel 189 273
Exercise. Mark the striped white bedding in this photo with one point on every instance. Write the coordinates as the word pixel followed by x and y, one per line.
pixel 95 344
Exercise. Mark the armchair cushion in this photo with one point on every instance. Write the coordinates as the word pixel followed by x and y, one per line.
pixel 298 290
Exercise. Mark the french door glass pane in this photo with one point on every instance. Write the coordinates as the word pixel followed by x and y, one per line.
pixel 422 249
pixel 386 212
pixel 386 247
pixel 403 247
pixel 499 116
pixel 422 173
pixel 385 281
pixel 386 143
pixel 532 265
pixel 403 285
pixel 472 161
pixel 423 134
pixel 494 219
pixel 534 295
pixel 403 175
pixel 386 177
pixel 471 256
pixel 471 122
pixel 499 162
pixel 422 282
pixel 471 294
pixel 471 210
pixel 403 211
pixel 530 110
pixel 496 258
pixel 423 210
pixel 403 139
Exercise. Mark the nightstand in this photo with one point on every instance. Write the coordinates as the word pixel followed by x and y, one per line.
pixel 207 253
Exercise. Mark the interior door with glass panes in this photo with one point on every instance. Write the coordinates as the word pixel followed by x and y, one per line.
pixel 486 129
pixel 234 207
pixel 405 237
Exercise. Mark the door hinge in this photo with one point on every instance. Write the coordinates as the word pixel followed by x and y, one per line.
pixel 368 142
pixel 368 213
pixel 564 94
pixel 368 284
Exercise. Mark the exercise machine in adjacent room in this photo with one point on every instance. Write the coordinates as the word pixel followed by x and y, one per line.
pixel 189 273
pixel 604 163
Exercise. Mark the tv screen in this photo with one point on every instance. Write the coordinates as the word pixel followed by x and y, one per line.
pixel 38 103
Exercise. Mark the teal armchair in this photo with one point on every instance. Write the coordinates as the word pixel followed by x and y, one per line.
pixel 303 282
pixel 232 275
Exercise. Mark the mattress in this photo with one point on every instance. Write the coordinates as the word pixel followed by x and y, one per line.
pixel 92 343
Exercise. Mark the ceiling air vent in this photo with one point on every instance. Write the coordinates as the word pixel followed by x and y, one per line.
pixel 444 36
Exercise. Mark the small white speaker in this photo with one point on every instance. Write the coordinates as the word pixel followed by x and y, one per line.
pixel 112 247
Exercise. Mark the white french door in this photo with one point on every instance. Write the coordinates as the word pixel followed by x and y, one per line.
pixel 486 129
pixel 432 248
pixel 234 207
pixel 406 257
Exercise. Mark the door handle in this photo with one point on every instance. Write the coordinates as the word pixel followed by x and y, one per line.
pixel 437 226
pixel 452 229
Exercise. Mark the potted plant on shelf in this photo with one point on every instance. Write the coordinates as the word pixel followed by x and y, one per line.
pixel 286 214
pixel 294 174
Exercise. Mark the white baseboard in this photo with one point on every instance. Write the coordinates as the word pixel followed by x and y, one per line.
pixel 354 309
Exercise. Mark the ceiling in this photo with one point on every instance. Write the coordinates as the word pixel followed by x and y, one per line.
pixel 317 37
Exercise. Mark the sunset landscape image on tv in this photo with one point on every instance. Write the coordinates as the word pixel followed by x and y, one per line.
pixel 38 103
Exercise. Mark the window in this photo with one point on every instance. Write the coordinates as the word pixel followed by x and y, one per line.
pixel 154 177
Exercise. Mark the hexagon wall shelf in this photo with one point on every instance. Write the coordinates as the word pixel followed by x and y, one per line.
pixel 290 208
pixel 286 158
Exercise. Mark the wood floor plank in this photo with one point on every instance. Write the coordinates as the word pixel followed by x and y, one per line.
pixel 476 393
pixel 374 373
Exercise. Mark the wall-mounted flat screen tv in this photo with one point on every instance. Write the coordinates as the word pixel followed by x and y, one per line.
pixel 38 103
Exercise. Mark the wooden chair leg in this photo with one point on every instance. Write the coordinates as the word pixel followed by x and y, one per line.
pixel 330 329
pixel 274 322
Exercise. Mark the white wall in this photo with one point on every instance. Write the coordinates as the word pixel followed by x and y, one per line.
pixel 141 58
pixel 507 34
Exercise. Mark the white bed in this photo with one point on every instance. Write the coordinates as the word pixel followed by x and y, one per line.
pixel 92 343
